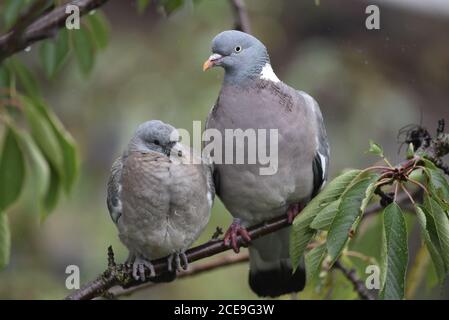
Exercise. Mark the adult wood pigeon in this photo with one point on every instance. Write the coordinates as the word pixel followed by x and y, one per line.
pixel 158 197
pixel 252 97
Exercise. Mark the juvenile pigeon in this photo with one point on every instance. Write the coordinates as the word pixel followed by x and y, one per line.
pixel 159 201
pixel 252 97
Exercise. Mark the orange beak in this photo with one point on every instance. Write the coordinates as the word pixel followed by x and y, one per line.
pixel 211 62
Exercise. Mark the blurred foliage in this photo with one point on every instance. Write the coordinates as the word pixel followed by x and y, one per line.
pixel 34 135
pixel 151 69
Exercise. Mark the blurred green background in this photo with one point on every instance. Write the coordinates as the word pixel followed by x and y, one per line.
pixel 369 84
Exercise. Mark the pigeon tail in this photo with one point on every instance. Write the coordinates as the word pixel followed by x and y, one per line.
pixel 271 273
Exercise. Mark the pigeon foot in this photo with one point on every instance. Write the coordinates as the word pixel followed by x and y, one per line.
pixel 139 265
pixel 180 261
pixel 234 230
pixel 293 211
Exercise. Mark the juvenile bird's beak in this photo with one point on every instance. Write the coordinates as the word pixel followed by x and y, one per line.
pixel 211 62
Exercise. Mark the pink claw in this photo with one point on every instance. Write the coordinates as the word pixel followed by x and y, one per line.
pixel 235 230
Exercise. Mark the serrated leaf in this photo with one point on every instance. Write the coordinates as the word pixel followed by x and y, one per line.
pixel 394 253
pixel 368 194
pixel 323 220
pixel 375 149
pixel 84 49
pixel 442 228
pixel 348 212
pixel 301 233
pixel 313 260
pixel 5 240
pixel 430 236
pixel 438 183
pixel 99 29
pixel 12 170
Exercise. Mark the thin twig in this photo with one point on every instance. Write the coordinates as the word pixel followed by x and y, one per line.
pixel 241 19
pixel 396 190
pixel 407 193
pixel 121 274
pixel 419 184
pixel 359 285
pixel 43 27
pixel 194 270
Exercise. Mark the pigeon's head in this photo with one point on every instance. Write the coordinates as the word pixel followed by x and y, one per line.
pixel 239 53
pixel 155 136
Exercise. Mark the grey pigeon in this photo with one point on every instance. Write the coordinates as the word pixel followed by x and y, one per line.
pixel 159 199
pixel 252 97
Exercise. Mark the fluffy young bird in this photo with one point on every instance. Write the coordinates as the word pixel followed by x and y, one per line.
pixel 159 199
pixel 252 97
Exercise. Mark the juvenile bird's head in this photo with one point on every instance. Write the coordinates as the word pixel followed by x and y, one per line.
pixel 154 135
pixel 240 54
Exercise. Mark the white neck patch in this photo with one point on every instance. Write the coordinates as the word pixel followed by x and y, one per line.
pixel 268 73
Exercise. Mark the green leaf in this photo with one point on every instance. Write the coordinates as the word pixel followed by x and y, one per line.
pixel 84 49
pixel 323 220
pixel 5 78
pixel 171 5
pixel 369 194
pixel 52 196
pixel 438 183
pixel 442 227
pixel 11 11
pixel 48 57
pixel 67 144
pixel 375 149
pixel 348 212
pixel 301 233
pixel 12 170
pixel 430 236
pixel 334 189
pixel 54 53
pixel 5 240
pixel 142 5
pixel 99 29
pixel 313 260
pixel 43 134
pixel 39 170
pixel 394 253
pixel 300 237
pixel 25 77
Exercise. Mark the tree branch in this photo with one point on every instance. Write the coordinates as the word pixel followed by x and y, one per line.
pixel 121 274
pixel 359 285
pixel 194 270
pixel 234 259
pixel 45 26
pixel 241 18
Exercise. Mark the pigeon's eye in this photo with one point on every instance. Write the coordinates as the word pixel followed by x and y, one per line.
pixel 156 142
pixel 179 153
pixel 238 49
